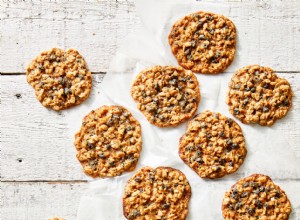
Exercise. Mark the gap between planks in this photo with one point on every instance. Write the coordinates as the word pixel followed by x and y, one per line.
pixel 103 73
pixel 46 181
pixel 43 122
pixel 21 74
pixel 86 181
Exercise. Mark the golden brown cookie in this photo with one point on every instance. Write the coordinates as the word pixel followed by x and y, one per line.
pixel 109 142
pixel 256 197
pixel 257 95
pixel 162 193
pixel 55 218
pixel 213 145
pixel 203 42
pixel 166 95
pixel 60 78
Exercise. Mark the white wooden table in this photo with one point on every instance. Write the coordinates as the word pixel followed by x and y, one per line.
pixel 40 175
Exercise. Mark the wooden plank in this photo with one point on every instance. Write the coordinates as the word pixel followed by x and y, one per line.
pixel 93 27
pixel 36 144
pixel 40 201
pixel 268 32
pixel 35 141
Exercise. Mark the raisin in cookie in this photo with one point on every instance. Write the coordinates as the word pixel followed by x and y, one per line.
pixel 60 78
pixel 213 145
pixel 203 42
pixel 256 197
pixel 166 95
pixel 257 95
pixel 162 193
pixel 109 142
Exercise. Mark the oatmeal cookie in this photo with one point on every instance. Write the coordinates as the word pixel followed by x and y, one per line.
pixel 162 193
pixel 203 42
pixel 256 197
pixel 60 78
pixel 109 142
pixel 213 145
pixel 166 95
pixel 257 95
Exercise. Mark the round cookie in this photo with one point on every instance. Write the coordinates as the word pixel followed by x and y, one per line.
pixel 60 78
pixel 166 95
pixel 203 42
pixel 256 197
pixel 161 193
pixel 109 142
pixel 257 95
pixel 213 145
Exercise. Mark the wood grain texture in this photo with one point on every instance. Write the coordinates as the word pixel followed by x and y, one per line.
pixel 35 141
pixel 40 201
pixel 40 175
pixel 94 28
pixel 37 145
pixel 267 32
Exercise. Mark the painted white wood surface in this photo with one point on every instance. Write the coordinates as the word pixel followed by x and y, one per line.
pixel 93 27
pixel 40 201
pixel 35 141
pixel 271 31
pixel 37 145
pixel 40 175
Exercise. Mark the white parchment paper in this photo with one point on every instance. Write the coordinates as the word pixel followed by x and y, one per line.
pixel 268 151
